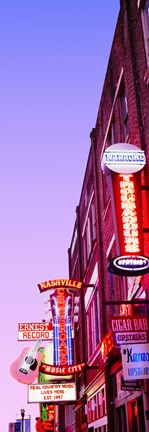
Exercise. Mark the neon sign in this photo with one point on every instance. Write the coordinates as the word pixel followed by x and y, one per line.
pixel 48 416
pixel 128 218
pixel 61 370
pixel 124 161
pixel 107 345
pixel 123 158
pixel 66 283
pixel 61 307
pixel 130 265
pixel 127 194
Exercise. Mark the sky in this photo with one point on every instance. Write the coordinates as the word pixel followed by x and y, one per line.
pixel 53 60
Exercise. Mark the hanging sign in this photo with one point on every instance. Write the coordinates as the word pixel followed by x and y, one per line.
pixel 135 361
pixel 129 329
pixel 123 158
pixel 58 283
pixel 34 331
pixel 123 162
pixel 61 370
pixel 52 392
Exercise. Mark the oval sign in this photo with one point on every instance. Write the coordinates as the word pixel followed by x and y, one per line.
pixel 123 158
pixel 129 265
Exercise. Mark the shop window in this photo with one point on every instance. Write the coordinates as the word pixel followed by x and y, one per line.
pixel 136 415
pixel 141 420
pixel 120 419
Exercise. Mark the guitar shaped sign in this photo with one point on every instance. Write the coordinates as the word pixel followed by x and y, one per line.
pixel 25 368
pixel 61 308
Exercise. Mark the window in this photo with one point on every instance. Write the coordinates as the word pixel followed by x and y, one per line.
pixel 146 12
pixel 145 24
pixel 106 190
pixel 89 231
pixel 124 115
pixel 93 331
pixel 96 406
pixel 112 138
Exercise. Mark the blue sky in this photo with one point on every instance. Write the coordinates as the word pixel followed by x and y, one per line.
pixel 54 56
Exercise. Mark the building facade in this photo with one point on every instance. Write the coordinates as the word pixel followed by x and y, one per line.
pixel 105 401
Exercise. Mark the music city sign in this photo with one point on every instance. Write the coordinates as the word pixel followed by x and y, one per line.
pixel 123 163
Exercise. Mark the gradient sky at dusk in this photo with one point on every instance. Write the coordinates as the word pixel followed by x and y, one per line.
pixel 54 55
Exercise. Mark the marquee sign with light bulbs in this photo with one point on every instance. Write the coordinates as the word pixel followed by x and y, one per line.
pixel 63 306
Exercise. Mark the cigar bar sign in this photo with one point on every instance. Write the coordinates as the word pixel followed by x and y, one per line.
pixel 60 392
pixel 127 329
pixel 123 162
pixel 34 331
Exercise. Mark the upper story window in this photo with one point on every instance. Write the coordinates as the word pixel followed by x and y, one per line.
pixel 144 5
pixel 89 231
pixel 124 114
pixel 112 135
pixel 92 319
pixel 106 190
pixel 146 12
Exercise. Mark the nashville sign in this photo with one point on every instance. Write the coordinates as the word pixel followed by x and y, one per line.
pixel 58 283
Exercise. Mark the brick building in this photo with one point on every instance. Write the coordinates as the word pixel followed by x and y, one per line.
pixel 103 404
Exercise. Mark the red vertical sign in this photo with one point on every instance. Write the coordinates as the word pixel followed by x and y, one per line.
pixel 128 212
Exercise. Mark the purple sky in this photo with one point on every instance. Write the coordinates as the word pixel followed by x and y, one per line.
pixel 54 56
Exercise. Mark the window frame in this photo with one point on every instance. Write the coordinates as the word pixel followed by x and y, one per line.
pixel 145 25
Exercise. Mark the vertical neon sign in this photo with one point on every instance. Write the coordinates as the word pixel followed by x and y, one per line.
pixel 61 307
pixel 127 201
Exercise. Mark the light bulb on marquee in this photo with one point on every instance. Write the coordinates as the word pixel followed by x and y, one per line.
pixel 76 300
pixel 76 309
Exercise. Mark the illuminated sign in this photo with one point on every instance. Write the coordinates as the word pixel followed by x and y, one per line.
pixel 47 357
pixel 61 308
pixel 34 331
pixel 124 162
pixel 128 218
pixel 48 416
pixel 123 158
pixel 55 393
pixel 61 370
pixel 135 361
pixel 129 265
pixel 107 345
pixel 129 329
pixel 127 199
pixel 65 283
